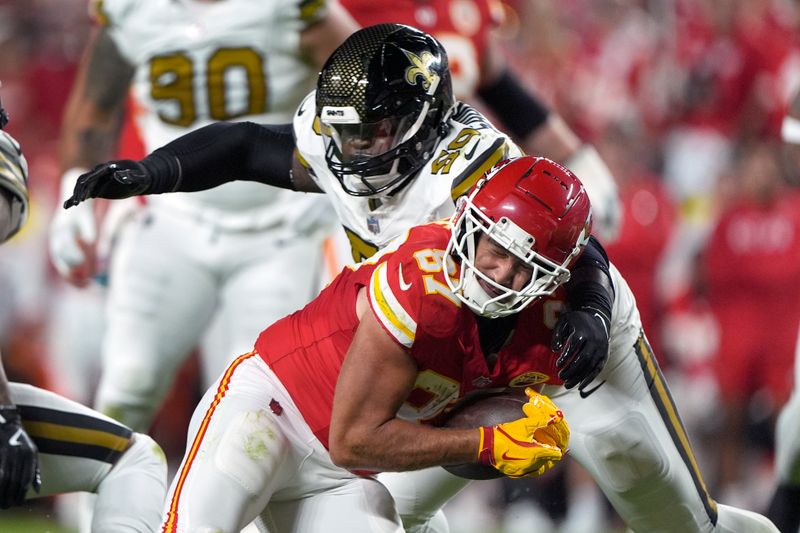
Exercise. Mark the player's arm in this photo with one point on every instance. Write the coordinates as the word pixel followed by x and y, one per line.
pixel 379 373
pixel 376 377
pixel 94 108
pixel 541 131
pixel 583 332
pixel 200 160
pixel 89 132
pixel 365 433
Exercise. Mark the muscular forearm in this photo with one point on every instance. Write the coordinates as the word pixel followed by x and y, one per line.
pixel 399 445
pixel 223 152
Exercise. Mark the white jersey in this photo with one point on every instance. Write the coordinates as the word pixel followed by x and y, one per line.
pixel 203 62
pixel 471 147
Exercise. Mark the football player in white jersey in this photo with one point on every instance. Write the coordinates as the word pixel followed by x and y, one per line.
pixel 75 448
pixel 385 140
pixel 184 260
pixel 784 509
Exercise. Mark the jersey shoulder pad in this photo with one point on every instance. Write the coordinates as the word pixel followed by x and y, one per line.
pixel 472 147
pixel 112 12
pixel 306 127
pixel 408 291
pixel 309 148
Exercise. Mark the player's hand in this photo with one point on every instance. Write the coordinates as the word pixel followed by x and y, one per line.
pixel 530 446
pixel 19 459
pixel 73 236
pixel 113 180
pixel 580 340
pixel 73 240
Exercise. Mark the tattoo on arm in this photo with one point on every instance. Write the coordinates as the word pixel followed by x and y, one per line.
pixel 109 74
pixel 96 108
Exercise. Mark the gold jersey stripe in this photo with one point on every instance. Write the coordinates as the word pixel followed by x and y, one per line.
pixel 399 324
pixel 301 159
pixel 669 413
pixel 468 178
pixel 60 432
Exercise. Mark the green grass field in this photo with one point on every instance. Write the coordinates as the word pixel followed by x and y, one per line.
pixel 36 517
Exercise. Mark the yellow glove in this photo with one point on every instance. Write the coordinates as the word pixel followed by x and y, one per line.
pixel 530 446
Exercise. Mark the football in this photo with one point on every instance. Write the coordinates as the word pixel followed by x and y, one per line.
pixel 484 411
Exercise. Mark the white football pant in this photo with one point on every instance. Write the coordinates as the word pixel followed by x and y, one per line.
pixel 249 452
pixel 81 450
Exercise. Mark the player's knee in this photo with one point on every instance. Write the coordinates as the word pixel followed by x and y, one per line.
pixel 131 496
pixel 149 453
pixel 627 453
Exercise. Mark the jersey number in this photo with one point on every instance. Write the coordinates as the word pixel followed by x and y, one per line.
pixel 432 392
pixel 172 79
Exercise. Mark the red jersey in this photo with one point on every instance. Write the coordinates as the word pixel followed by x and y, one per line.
pixel 409 296
pixel 462 26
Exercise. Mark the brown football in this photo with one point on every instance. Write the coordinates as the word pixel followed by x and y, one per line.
pixel 485 411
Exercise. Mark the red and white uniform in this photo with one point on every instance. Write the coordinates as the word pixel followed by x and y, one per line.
pixel 258 436
pixel 282 400
pixel 409 295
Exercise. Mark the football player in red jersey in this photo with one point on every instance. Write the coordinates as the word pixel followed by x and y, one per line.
pixel 628 436
pixel 355 382
pixel 784 508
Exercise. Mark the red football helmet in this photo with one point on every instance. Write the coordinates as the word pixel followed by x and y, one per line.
pixel 534 208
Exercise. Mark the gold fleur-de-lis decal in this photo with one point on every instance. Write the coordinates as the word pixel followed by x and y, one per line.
pixel 420 66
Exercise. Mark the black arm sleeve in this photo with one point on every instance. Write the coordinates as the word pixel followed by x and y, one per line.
pixel 514 105
pixel 223 152
pixel 590 280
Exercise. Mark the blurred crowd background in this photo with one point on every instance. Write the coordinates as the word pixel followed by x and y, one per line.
pixel 682 98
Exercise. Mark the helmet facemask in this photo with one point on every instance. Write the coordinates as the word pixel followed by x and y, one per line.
pixel 469 223
pixel 531 210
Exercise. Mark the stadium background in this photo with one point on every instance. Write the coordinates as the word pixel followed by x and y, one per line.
pixel 683 99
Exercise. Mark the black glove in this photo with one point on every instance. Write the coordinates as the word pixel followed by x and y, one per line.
pixel 19 459
pixel 581 340
pixel 113 180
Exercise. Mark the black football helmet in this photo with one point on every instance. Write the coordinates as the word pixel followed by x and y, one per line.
pixel 383 99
